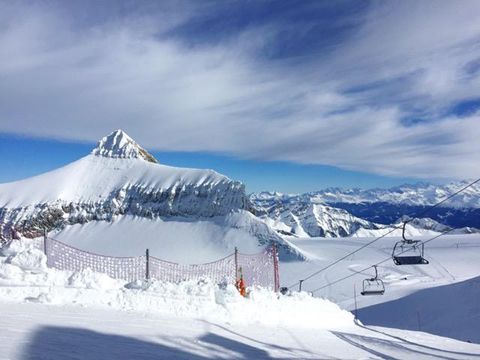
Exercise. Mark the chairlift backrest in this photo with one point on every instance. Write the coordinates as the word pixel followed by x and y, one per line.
pixel 373 286
pixel 408 241
pixel 412 255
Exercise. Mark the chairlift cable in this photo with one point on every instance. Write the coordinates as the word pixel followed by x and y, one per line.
pixel 378 263
pixel 344 257
pixel 384 235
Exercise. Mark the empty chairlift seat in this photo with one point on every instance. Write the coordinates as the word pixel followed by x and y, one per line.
pixel 408 252
pixel 373 286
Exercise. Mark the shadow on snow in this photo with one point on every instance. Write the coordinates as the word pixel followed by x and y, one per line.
pixel 59 343
pixel 449 310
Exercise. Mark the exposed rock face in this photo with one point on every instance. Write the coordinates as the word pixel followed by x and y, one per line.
pixel 309 215
pixel 312 220
pixel 119 177
pixel 119 145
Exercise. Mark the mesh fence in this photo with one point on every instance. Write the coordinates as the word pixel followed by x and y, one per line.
pixel 64 257
pixel 257 269
pixel 218 271
pixel 37 243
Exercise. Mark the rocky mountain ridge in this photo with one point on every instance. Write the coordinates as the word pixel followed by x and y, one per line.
pixel 313 215
pixel 118 177
pixel 420 194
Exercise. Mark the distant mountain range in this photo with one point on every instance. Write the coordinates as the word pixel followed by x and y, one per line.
pixel 420 194
pixel 337 212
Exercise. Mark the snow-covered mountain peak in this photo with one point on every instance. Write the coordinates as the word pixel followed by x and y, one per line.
pixel 119 145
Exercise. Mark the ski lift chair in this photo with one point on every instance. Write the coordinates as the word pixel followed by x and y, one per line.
pixel 408 252
pixel 373 286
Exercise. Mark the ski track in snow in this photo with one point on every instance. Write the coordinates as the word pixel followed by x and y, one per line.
pixel 53 332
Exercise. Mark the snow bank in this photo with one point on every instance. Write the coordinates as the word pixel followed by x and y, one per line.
pixel 29 259
pixel 27 280
pixel 90 280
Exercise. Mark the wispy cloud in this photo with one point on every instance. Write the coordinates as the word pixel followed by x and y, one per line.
pixel 375 99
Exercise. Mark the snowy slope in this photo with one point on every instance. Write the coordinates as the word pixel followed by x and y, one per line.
pixel 432 310
pixel 61 315
pixel 452 275
pixel 68 332
pixel 94 179
pixel 118 201
pixel 24 276
pixel 411 230
pixel 176 239
pixel 116 178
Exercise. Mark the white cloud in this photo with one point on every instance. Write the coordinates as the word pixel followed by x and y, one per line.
pixel 69 82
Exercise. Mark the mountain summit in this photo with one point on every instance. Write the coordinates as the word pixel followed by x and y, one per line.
pixel 188 215
pixel 119 145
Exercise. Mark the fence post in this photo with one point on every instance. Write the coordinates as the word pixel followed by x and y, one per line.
pixel 275 267
pixel 236 263
pixel 300 285
pixel 355 296
pixel 147 264
pixel 45 241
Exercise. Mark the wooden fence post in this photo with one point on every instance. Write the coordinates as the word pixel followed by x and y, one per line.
pixel 355 296
pixel 45 241
pixel 275 267
pixel 236 264
pixel 147 264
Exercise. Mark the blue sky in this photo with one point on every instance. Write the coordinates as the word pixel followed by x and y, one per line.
pixel 283 95
pixel 34 156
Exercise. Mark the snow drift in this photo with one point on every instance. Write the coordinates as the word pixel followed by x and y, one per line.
pixel 31 281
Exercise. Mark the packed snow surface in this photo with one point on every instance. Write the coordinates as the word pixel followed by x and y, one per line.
pixel 83 315
pixel 440 298
pixel 71 332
